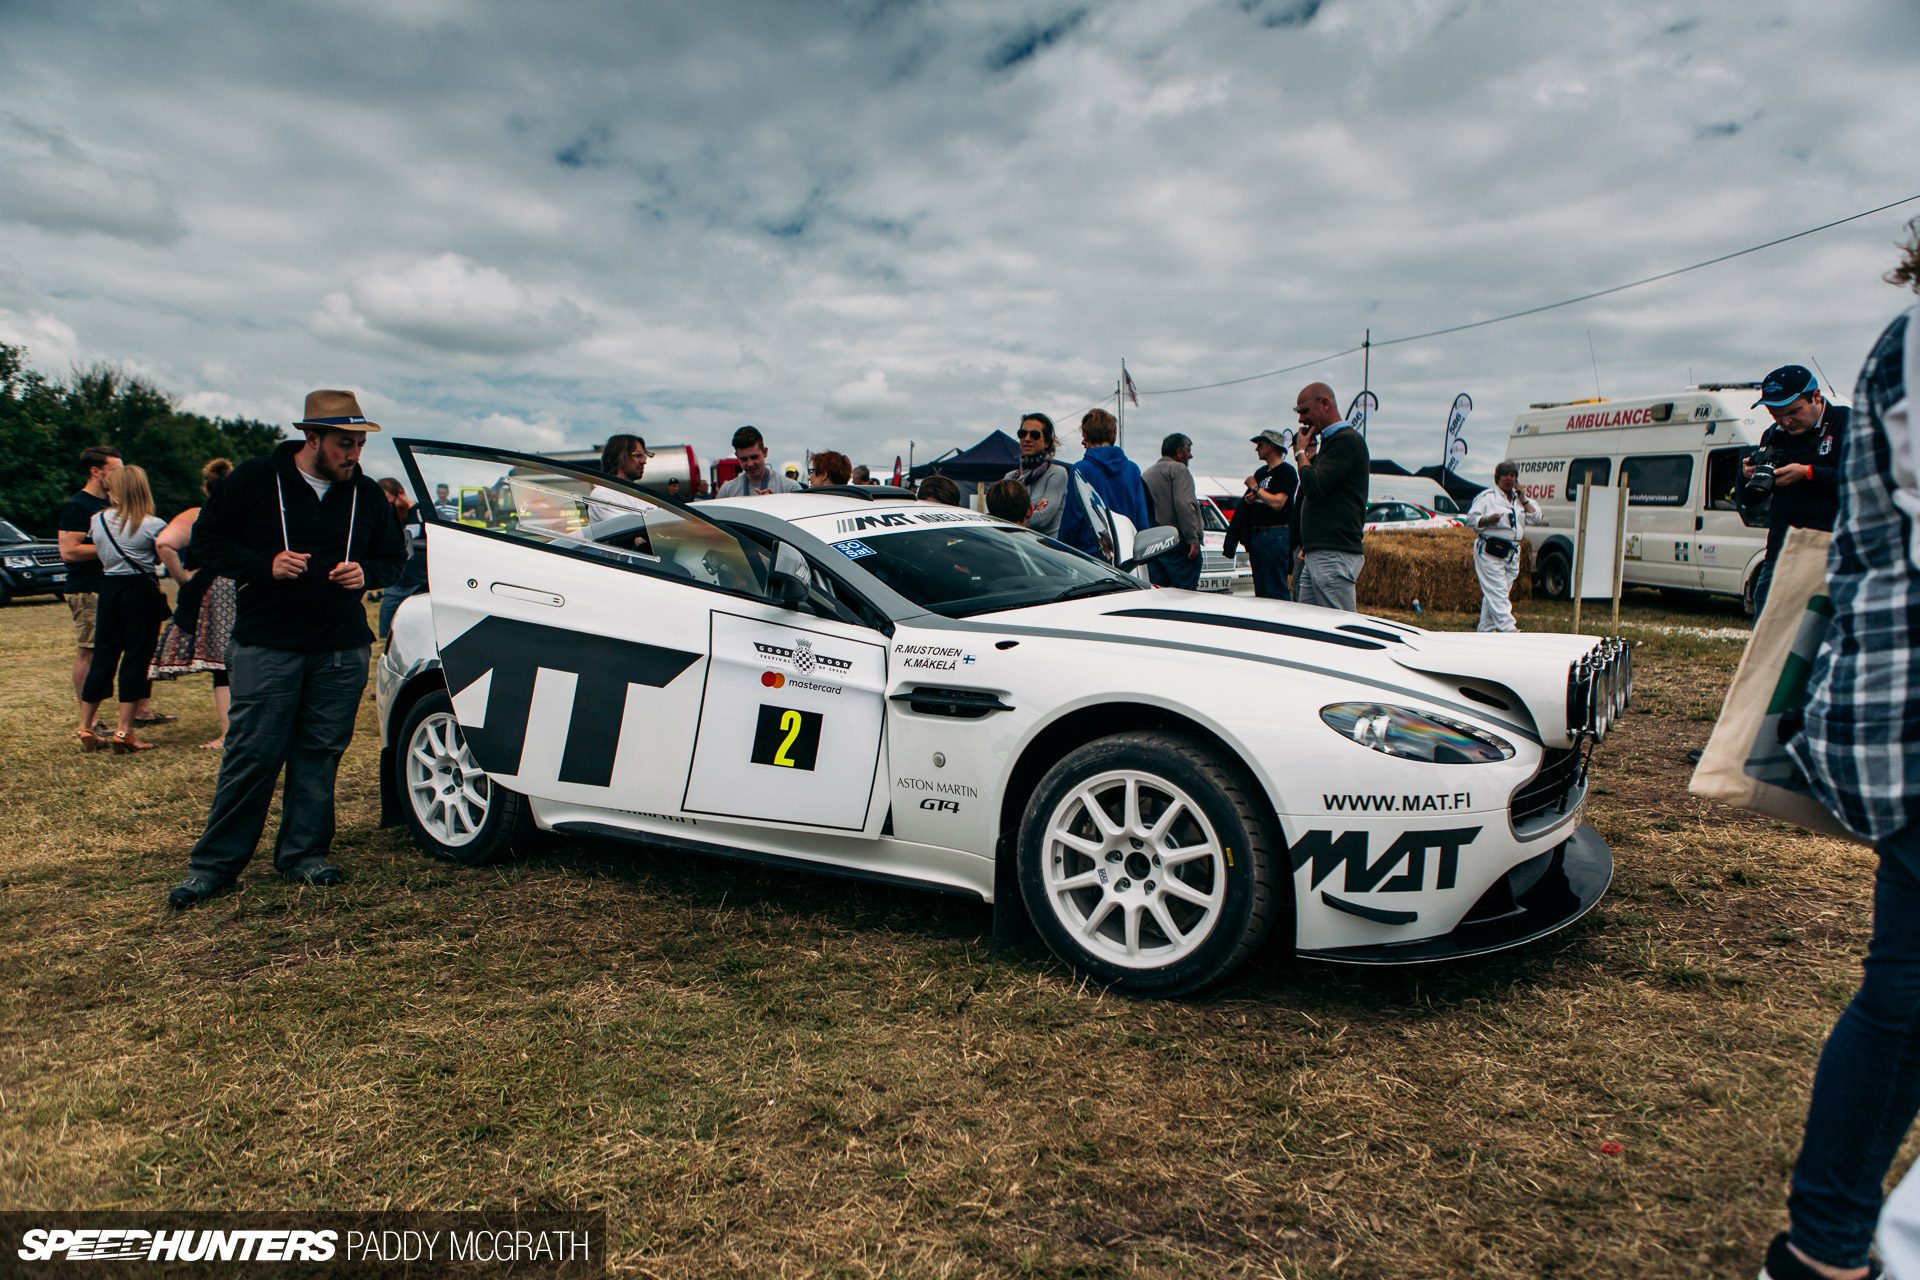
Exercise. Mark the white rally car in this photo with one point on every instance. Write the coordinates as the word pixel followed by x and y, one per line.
pixel 916 693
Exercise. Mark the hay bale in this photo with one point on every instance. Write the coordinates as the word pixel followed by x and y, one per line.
pixel 1434 566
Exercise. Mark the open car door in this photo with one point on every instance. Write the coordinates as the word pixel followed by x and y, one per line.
pixel 606 649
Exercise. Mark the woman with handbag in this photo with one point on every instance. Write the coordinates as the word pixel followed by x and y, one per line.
pixel 196 639
pixel 131 608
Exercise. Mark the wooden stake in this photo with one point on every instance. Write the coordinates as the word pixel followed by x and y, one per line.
pixel 1620 554
pixel 1580 551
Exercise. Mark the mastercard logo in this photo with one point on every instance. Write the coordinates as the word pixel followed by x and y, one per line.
pixel 773 679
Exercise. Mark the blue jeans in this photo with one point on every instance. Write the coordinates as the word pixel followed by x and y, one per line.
pixel 1867 1086
pixel 1271 551
pixel 390 601
pixel 1762 583
pixel 1176 569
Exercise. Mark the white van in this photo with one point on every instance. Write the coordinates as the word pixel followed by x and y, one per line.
pixel 1681 455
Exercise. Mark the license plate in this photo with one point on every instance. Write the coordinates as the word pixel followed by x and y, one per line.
pixel 1216 586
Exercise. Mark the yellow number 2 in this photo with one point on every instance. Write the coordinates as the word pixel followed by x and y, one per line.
pixel 790 721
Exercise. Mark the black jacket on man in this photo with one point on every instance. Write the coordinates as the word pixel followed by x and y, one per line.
pixel 1333 494
pixel 1814 502
pixel 239 533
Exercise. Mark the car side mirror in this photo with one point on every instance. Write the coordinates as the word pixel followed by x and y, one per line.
pixel 787 581
pixel 1149 543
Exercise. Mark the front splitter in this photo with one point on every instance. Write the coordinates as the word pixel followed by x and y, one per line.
pixel 1581 871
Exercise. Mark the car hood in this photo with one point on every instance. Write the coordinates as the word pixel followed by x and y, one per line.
pixel 1533 667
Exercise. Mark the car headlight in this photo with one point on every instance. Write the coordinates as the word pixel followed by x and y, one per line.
pixel 1414 735
pixel 19 562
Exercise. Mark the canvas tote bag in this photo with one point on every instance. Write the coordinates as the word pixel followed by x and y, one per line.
pixel 1746 764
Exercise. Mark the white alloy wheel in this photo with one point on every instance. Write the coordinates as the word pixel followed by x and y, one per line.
pixel 1134 869
pixel 448 790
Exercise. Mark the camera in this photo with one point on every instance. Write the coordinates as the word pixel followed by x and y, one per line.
pixel 1756 493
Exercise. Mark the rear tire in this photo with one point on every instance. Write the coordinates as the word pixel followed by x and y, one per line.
pixel 1146 863
pixel 456 812
pixel 1556 574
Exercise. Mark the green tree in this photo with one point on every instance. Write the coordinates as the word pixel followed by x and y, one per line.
pixel 44 425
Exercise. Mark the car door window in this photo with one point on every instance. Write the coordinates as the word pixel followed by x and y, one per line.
pixel 1581 470
pixel 575 512
pixel 1658 480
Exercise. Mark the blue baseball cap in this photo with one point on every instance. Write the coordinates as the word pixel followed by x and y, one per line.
pixel 1785 385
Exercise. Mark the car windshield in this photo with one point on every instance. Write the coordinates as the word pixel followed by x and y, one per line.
pixel 1210 521
pixel 963 569
pixel 11 533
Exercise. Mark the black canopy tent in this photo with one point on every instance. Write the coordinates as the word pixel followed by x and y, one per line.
pixel 985 462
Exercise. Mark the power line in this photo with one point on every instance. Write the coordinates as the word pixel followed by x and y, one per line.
pixel 1548 306
pixel 1255 377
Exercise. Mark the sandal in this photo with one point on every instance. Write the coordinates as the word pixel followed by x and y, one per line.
pixel 90 741
pixel 126 744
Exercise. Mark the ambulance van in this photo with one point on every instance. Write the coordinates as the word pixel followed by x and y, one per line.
pixel 1680 455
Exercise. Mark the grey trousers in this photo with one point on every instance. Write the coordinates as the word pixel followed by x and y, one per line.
pixel 291 710
pixel 1326 578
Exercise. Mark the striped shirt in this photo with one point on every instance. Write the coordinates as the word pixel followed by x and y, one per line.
pixel 1861 745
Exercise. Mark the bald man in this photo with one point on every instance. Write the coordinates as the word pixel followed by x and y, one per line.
pixel 1333 462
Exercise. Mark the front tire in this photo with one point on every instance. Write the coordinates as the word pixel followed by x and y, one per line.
pixel 454 809
pixel 1146 863
pixel 1556 574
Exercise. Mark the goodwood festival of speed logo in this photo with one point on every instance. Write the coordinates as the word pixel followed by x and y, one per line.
pixel 803 659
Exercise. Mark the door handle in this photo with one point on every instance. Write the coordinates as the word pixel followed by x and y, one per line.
pixel 1699 523
pixel 529 595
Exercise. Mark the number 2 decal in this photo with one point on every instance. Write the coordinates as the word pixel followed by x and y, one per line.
pixel 791 722
pixel 787 738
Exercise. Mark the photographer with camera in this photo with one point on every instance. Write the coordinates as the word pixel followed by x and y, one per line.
pixel 1792 480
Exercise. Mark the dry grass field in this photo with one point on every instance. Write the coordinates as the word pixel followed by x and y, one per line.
pixel 760 1073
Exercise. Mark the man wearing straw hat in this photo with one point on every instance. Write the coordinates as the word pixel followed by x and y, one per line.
pixel 304 532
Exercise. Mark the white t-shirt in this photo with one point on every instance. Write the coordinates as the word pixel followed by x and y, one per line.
pixel 318 485
pixel 140 560
pixel 604 503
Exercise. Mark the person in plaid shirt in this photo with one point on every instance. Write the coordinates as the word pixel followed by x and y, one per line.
pixel 1860 749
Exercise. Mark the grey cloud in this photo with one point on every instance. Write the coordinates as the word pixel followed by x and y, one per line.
pixel 53 183
pixel 566 216
pixel 451 304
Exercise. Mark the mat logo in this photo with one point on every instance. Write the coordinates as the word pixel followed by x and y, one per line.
pixel 513 653
pixel 860 524
pixel 1325 853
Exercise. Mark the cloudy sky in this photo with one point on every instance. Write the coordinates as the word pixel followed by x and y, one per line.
pixel 866 223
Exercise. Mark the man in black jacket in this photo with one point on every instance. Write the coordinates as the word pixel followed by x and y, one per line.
pixel 1334 466
pixel 1804 445
pixel 304 532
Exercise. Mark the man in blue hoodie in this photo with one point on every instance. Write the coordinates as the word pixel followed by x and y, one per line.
pixel 1112 474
